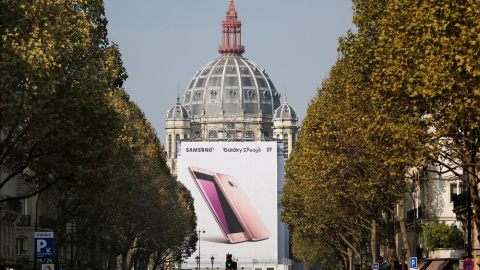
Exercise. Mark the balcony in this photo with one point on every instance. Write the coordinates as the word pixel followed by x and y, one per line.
pixel 461 201
pixel 15 206
pixel 24 221
pixel 421 214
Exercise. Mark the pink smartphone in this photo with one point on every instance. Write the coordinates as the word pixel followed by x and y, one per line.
pixel 242 207
pixel 219 207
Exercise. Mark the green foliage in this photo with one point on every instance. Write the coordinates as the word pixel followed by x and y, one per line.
pixel 402 91
pixel 69 130
pixel 440 235
pixel 138 209
pixel 56 71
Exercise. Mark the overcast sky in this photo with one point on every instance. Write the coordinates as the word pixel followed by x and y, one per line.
pixel 163 43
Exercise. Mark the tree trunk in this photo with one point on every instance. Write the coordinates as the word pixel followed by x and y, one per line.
pixel 374 242
pixel 124 260
pixel 350 259
pixel 391 255
pixel 472 183
pixel 112 259
pixel 403 225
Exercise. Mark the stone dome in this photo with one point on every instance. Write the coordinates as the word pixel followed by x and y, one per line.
pixel 178 112
pixel 285 112
pixel 231 85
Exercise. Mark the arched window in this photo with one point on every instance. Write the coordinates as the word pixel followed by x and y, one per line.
pixel 170 146
pixel 212 134
pixel 285 145
pixel 177 140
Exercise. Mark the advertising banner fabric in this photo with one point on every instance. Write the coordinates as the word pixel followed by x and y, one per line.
pixel 235 187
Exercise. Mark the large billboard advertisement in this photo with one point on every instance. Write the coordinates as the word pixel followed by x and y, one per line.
pixel 235 186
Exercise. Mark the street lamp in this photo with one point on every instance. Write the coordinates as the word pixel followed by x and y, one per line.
pixel 36 226
pixel 212 259
pixel 404 252
pixel 198 257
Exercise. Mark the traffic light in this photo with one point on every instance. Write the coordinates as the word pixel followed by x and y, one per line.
pixel 229 263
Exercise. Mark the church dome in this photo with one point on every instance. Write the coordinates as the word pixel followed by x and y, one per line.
pixel 285 112
pixel 231 85
pixel 178 112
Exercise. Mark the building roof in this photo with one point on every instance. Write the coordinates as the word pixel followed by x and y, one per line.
pixel 285 112
pixel 178 112
pixel 231 85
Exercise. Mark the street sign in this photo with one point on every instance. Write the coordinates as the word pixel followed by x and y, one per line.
pixel 43 244
pixel 468 264
pixel 413 262
pixel 376 266
pixel 48 266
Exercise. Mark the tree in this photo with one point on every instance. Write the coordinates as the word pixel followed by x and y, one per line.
pixel 337 174
pixel 154 220
pixel 137 210
pixel 56 71
pixel 349 167
pixel 428 61
pixel 440 235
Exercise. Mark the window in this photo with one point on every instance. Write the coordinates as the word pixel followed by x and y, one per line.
pixel 170 145
pixel 212 135
pixel 177 141
pixel 23 206
pixel 285 145
pixel 453 191
pixel 22 245
pixel 213 94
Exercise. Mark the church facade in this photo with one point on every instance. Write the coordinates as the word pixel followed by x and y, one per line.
pixel 230 99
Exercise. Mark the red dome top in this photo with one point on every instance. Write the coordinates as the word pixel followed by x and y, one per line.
pixel 231 34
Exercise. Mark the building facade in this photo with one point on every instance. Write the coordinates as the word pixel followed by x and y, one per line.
pixel 10 211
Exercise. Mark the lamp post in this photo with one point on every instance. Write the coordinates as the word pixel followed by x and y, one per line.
pixel 36 227
pixel 212 259
pixel 404 252
pixel 198 260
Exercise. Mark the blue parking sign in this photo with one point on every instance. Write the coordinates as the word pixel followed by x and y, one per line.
pixel 413 262
pixel 43 244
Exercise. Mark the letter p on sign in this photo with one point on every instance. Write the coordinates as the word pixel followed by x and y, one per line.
pixel 41 244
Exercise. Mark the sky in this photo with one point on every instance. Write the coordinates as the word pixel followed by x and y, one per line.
pixel 164 42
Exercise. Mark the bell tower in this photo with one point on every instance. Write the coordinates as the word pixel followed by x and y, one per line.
pixel 231 34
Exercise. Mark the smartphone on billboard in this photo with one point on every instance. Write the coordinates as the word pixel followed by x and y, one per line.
pixel 218 205
pixel 242 207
